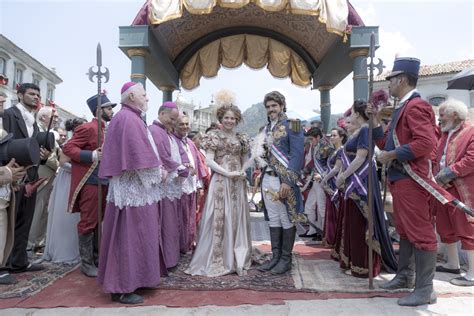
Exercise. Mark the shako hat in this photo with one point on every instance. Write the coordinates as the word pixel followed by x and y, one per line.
pixel 405 65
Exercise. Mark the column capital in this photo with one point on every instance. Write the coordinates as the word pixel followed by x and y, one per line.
pixel 137 52
pixel 364 52
pixel 166 88
pixel 325 88
pixel 139 76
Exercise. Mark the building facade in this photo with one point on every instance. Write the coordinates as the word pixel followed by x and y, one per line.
pixel 17 66
pixel 199 118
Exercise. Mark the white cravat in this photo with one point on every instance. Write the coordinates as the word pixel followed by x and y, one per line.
pixel 28 117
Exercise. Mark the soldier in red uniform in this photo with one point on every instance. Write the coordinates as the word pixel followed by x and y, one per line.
pixel 85 155
pixel 408 146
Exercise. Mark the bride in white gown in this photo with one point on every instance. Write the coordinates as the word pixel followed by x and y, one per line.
pixel 224 244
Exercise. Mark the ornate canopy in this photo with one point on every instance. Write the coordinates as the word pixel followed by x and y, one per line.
pixel 188 39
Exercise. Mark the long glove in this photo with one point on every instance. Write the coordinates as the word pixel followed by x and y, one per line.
pixel 211 163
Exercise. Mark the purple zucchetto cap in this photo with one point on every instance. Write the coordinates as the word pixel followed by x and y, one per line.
pixel 169 105
pixel 127 86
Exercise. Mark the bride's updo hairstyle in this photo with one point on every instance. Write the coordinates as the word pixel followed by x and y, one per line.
pixel 222 110
pixel 225 100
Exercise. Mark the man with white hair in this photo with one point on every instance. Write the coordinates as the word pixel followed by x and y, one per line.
pixel 176 163
pixel 131 252
pixel 46 115
pixel 188 202
pixel 455 158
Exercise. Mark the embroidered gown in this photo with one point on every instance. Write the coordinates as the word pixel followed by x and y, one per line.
pixel 224 244
pixel 354 248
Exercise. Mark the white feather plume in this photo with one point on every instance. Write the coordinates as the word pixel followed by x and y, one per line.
pixel 257 152
pixel 225 97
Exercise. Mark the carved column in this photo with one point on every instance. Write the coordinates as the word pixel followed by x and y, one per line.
pixel 361 83
pixel 137 56
pixel 325 95
pixel 167 93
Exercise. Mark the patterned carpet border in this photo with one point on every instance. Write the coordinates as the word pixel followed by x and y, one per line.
pixel 30 283
pixel 254 280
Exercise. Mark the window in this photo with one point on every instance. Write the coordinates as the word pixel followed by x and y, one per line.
pixel 36 79
pixel 18 77
pixel 3 63
pixel 50 94
pixel 3 66
pixel 437 100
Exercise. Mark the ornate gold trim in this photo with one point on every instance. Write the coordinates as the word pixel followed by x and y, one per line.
pixel 137 52
pixel 359 52
pixel 199 11
pixel 166 88
pixel 231 5
pixel 139 76
pixel 282 6
pixel 325 88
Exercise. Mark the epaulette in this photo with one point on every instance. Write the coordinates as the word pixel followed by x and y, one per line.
pixel 295 125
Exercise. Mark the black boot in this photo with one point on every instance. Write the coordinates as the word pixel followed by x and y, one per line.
pixel 96 246
pixel 405 277
pixel 287 247
pixel 425 270
pixel 86 250
pixel 127 298
pixel 275 238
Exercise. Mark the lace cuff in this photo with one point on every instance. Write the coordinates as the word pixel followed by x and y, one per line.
pixel 135 188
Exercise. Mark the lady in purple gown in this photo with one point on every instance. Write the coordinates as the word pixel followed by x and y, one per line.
pixel 354 179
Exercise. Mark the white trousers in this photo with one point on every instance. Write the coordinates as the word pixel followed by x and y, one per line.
pixel 276 210
pixel 316 204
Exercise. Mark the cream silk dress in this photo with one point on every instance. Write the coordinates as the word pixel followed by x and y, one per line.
pixel 224 243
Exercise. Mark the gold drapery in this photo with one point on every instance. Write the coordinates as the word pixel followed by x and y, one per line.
pixel 253 50
pixel 333 13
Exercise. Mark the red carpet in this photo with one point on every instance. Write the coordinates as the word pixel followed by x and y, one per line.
pixel 75 290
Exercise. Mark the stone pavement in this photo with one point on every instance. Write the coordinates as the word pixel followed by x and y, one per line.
pixel 364 306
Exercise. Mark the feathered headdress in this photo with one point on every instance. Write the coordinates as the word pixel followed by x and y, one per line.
pixel 379 99
pixel 341 122
pixel 225 97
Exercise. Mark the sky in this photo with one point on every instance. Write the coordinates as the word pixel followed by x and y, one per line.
pixel 64 34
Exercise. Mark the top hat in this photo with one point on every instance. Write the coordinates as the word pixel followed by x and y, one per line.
pixel 104 101
pixel 26 151
pixel 405 65
pixel 46 140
